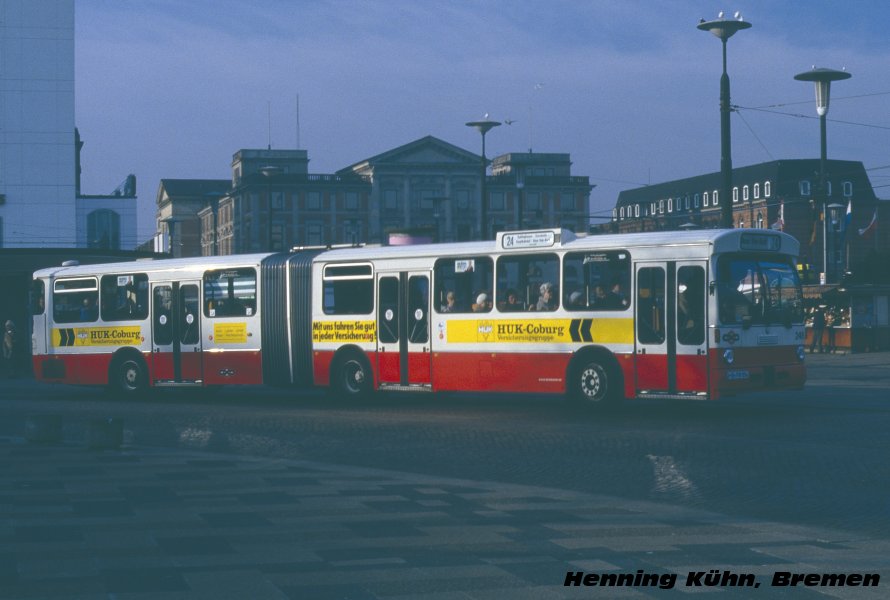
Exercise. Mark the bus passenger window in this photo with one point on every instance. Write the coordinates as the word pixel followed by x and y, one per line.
pixel 602 278
pixel 464 279
pixel 38 297
pixel 230 293
pixel 534 277
pixel 74 300
pixel 348 289
pixel 124 297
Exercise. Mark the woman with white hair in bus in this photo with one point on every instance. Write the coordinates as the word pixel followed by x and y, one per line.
pixel 547 297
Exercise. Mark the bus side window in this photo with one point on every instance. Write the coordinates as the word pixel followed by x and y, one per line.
pixel 75 300
pixel 38 297
pixel 465 279
pixel 530 274
pixel 124 297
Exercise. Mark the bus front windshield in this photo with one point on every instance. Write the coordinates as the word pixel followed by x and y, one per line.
pixel 756 290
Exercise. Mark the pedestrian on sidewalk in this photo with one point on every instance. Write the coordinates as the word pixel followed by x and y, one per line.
pixel 830 321
pixel 818 330
pixel 9 349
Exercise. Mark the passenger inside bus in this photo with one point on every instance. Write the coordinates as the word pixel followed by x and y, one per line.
pixel 482 303
pixel 619 296
pixel 88 310
pixel 449 303
pixel 512 303
pixel 547 297
pixel 576 300
pixel 600 300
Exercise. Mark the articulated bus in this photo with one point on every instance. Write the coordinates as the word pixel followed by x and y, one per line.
pixel 678 315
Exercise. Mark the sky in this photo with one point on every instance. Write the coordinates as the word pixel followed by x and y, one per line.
pixel 629 88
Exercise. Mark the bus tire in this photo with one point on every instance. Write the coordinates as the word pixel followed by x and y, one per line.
pixel 128 375
pixel 595 382
pixel 352 378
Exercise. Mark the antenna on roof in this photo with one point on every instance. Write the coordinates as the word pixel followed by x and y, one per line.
pixel 298 121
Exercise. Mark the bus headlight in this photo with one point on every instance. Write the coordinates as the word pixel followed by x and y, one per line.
pixel 728 356
pixel 801 354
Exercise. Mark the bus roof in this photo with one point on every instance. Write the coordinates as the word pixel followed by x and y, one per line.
pixel 197 263
pixel 709 240
pixel 718 240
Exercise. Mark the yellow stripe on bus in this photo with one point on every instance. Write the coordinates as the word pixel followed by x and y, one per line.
pixel 97 336
pixel 538 331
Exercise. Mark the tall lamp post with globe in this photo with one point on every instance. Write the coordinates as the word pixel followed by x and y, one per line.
pixel 725 29
pixel 484 127
pixel 822 79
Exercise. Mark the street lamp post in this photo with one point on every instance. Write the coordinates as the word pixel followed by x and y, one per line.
pixel 484 127
pixel 725 29
pixel 269 171
pixel 520 185
pixel 822 79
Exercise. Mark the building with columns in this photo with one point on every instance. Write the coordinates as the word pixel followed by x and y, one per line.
pixel 426 190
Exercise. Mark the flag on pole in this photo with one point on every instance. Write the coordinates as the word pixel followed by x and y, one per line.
pixel 847 218
pixel 779 225
pixel 817 218
pixel 869 230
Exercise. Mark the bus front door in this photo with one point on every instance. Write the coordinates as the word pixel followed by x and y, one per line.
pixel 176 333
pixel 671 345
pixel 403 330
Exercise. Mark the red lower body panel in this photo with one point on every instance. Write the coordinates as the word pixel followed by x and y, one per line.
pixel 74 369
pixel 233 367
pixel 219 368
pixel 756 369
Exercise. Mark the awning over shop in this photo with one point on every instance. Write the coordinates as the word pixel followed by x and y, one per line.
pixel 816 292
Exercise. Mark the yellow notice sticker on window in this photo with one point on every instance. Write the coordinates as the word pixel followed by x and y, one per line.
pixel 230 333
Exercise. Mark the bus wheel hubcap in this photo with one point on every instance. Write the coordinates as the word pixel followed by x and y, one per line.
pixel 592 382
pixel 131 374
pixel 355 375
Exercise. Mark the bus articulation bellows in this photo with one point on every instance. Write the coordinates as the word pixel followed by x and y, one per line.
pixel 693 314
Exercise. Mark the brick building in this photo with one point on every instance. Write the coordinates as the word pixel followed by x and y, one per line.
pixel 779 194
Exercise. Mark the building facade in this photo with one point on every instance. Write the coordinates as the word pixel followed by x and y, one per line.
pixel 41 204
pixel 784 194
pixel 37 151
pixel 179 201
pixel 427 190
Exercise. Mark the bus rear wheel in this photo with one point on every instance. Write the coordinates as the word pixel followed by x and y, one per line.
pixel 128 376
pixel 595 383
pixel 352 377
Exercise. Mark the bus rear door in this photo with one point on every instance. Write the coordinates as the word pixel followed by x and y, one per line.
pixel 176 333
pixel 671 342
pixel 403 326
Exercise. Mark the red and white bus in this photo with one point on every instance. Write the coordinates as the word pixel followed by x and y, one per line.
pixel 697 314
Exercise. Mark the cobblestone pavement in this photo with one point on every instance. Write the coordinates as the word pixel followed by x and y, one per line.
pixel 155 523
pixel 151 522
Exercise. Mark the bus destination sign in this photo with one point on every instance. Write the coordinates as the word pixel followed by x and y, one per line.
pixel 760 241
pixel 528 239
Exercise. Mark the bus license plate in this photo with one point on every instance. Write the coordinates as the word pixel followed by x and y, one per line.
pixel 738 375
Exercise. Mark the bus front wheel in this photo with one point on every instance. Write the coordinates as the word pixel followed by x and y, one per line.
pixel 128 376
pixel 595 383
pixel 352 377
